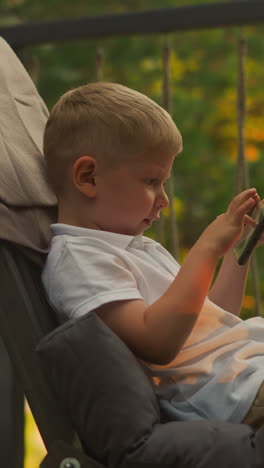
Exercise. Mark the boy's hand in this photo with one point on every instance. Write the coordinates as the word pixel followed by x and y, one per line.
pixel 225 230
pixel 255 213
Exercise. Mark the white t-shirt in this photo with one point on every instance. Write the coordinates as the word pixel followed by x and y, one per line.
pixel 217 373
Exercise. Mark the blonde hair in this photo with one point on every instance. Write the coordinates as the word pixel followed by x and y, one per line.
pixel 109 122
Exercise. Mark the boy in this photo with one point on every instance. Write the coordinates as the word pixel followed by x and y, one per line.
pixel 109 152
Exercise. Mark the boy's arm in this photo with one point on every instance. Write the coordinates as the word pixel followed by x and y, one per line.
pixel 157 332
pixel 229 287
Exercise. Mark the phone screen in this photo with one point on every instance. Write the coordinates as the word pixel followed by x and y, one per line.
pixel 251 235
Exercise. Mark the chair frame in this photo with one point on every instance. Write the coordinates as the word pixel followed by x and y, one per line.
pixel 25 317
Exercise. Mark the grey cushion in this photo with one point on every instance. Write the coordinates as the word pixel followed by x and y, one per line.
pixel 115 412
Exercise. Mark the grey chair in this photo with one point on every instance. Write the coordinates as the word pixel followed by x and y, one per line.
pixel 91 400
pixel 25 317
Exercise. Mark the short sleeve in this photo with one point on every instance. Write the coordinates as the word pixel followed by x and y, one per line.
pixel 88 276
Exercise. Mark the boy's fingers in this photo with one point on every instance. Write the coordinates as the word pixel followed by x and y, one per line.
pixel 248 198
pixel 244 196
pixel 250 221
pixel 241 212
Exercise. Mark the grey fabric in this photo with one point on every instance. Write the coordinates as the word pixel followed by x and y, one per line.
pixel 27 203
pixel 115 412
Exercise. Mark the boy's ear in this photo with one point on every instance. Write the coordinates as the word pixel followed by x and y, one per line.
pixel 83 173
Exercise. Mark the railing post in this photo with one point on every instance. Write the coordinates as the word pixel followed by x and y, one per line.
pixel 167 104
pixel 242 173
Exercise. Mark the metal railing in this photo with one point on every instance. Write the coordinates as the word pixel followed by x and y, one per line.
pixel 158 21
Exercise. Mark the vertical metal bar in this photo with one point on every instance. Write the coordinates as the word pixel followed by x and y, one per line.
pixel 99 64
pixel 174 237
pixel 242 174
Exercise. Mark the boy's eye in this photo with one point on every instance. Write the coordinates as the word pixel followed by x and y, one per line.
pixel 152 181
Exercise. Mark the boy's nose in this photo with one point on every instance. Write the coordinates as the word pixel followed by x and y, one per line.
pixel 162 200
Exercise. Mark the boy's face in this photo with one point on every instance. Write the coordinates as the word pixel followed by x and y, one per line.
pixel 130 197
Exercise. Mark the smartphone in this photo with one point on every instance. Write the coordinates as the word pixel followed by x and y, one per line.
pixel 251 240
